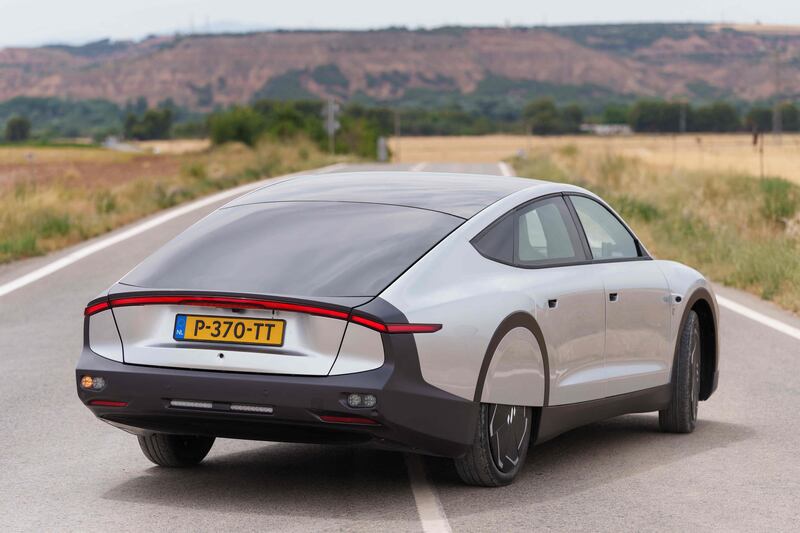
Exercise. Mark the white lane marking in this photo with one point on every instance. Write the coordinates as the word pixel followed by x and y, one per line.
pixel 770 322
pixel 418 167
pixel 429 507
pixel 138 229
pixel 505 169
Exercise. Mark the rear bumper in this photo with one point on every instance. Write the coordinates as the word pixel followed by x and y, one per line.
pixel 410 414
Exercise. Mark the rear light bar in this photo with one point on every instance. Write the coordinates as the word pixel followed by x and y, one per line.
pixel 227 302
pixel 348 420
pixel 395 328
pixel 108 403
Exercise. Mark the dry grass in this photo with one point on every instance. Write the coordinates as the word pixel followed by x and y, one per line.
pixel 53 197
pixel 175 146
pixel 714 153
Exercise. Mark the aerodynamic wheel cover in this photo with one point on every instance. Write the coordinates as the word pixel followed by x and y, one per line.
pixel 508 425
pixel 694 369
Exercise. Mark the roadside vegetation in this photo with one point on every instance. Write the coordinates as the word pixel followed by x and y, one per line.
pixel 51 197
pixel 737 229
pixel 363 121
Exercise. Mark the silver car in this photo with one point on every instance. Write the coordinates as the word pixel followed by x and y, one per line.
pixel 455 315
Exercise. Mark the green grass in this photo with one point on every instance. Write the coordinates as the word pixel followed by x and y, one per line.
pixel 739 230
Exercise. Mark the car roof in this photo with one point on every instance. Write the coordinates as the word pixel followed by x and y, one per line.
pixel 461 195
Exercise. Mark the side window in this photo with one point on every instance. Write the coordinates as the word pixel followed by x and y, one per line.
pixel 497 242
pixel 545 234
pixel 607 237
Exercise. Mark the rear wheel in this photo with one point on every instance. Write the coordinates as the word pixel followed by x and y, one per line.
pixel 500 447
pixel 681 415
pixel 175 450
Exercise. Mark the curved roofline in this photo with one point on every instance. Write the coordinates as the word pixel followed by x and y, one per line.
pixel 341 202
pixel 458 194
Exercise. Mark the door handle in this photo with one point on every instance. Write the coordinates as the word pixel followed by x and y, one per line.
pixel 613 297
pixel 552 304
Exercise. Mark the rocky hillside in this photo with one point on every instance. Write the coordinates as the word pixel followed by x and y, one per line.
pixel 699 62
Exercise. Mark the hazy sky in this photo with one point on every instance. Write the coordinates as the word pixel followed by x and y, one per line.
pixel 31 22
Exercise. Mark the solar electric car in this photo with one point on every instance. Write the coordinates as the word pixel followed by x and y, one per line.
pixel 463 316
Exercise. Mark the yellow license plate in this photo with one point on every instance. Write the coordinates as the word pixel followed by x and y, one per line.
pixel 229 329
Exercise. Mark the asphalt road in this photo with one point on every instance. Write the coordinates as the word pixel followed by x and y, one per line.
pixel 61 469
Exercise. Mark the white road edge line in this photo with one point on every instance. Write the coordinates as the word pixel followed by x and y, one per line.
pixel 429 507
pixel 770 322
pixel 418 167
pixel 505 169
pixel 138 229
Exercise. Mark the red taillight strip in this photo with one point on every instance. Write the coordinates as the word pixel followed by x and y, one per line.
pixel 95 308
pixel 216 301
pixel 395 328
pixel 413 328
pixel 108 403
pixel 372 324
pixel 250 303
pixel 347 420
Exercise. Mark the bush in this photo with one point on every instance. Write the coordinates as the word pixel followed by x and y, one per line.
pixel 18 129
pixel 544 118
pixel 239 123
pixel 360 127
pixel 154 124
pixel 780 199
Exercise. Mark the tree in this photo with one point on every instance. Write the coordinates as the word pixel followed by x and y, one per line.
pixel 657 116
pixel 615 114
pixel 790 117
pixel 18 129
pixel 571 118
pixel 542 116
pixel 242 124
pixel 717 117
pixel 154 124
pixel 759 119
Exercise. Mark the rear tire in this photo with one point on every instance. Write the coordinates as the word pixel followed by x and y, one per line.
pixel 501 445
pixel 175 450
pixel 681 415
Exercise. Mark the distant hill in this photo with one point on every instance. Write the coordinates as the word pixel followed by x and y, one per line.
pixel 482 67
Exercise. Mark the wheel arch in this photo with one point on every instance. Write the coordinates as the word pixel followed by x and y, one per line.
pixel 701 302
pixel 519 319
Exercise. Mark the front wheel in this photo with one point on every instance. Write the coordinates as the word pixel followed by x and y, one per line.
pixel 500 447
pixel 681 415
pixel 175 450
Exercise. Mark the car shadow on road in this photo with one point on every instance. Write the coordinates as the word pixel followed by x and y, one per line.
pixel 358 483
pixel 595 455
pixel 328 482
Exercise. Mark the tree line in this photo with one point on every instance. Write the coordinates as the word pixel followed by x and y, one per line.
pixel 361 125
pixel 658 116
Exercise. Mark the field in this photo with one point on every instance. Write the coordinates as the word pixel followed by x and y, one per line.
pixel 715 153
pixel 707 208
pixel 51 197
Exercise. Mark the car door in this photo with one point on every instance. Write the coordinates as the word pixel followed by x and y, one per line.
pixel 570 305
pixel 637 301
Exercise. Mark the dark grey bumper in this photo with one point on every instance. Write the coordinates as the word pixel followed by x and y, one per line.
pixel 410 414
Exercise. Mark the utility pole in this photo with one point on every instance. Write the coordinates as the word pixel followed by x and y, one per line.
pixel 682 119
pixel 777 118
pixel 397 135
pixel 331 123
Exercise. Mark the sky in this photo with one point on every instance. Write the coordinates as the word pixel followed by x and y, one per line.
pixel 35 22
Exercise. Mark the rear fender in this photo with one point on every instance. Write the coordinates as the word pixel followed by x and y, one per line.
pixel 515 368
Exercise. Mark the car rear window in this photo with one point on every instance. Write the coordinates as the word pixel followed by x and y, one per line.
pixel 305 249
